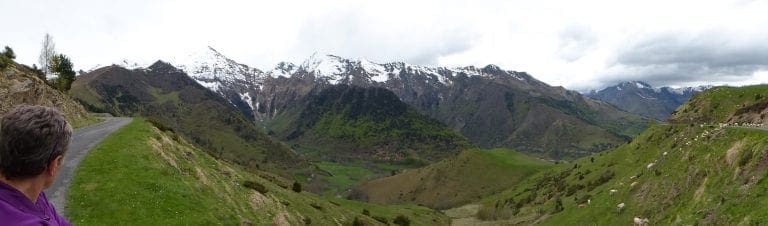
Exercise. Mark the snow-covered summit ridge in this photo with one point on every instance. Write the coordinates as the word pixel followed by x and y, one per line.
pixel 645 86
pixel 208 65
pixel 335 69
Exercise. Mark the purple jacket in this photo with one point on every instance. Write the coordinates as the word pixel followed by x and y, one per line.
pixel 17 209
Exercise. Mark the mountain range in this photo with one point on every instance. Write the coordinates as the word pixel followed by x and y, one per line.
pixel 490 106
pixel 641 98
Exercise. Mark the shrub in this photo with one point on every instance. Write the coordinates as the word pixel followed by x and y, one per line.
pixel 366 212
pixel 316 206
pixel 307 221
pixel 358 222
pixel 8 53
pixel 558 205
pixel 583 199
pixel 296 186
pixel 255 186
pixel 381 219
pixel 745 157
pixel 402 220
pixel 159 125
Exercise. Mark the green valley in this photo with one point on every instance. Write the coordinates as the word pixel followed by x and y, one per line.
pixel 143 175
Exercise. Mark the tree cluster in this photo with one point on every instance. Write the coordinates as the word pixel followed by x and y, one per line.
pixel 57 65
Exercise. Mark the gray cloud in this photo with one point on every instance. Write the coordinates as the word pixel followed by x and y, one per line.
pixel 675 58
pixel 575 42
pixel 350 33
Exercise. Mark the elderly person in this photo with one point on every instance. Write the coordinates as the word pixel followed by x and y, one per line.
pixel 33 140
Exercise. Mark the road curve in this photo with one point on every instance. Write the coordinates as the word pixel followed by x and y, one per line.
pixel 83 140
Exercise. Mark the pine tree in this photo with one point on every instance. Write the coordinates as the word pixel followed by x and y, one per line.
pixel 62 66
pixel 8 52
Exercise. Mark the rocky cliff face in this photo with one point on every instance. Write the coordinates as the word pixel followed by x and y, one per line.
pixel 490 106
pixel 19 85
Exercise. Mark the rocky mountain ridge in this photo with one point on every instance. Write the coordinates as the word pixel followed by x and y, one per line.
pixel 491 106
pixel 641 98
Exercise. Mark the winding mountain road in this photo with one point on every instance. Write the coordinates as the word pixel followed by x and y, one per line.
pixel 83 140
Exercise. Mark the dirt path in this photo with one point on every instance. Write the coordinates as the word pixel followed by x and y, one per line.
pixel 83 140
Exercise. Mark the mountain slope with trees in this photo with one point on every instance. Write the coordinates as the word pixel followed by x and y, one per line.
pixel 164 93
pixel 354 123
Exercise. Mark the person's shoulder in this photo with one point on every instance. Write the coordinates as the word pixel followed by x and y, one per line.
pixel 50 210
pixel 11 214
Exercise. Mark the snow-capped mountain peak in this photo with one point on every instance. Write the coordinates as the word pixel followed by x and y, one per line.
pixel 210 68
pixel 329 67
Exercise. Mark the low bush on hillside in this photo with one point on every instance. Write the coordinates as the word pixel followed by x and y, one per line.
pixel 4 62
pixel 255 186
pixel 159 125
pixel 381 219
pixel 296 186
pixel 402 220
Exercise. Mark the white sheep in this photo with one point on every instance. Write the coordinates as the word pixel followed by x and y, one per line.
pixel 613 191
pixel 620 207
pixel 633 184
pixel 641 221
pixel 665 153
pixel 650 165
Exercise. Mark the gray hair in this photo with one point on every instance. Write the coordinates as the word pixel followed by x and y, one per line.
pixel 30 138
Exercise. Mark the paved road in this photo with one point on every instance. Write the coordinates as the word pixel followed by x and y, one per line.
pixel 83 139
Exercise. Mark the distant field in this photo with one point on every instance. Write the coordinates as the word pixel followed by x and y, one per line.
pixel 142 176
pixel 467 176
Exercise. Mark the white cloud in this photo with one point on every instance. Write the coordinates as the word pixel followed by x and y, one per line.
pixel 578 44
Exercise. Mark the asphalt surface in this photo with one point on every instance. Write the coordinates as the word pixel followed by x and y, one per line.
pixel 83 140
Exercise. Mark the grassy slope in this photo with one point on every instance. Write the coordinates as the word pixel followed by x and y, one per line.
pixel 718 104
pixel 147 177
pixel 710 175
pixel 467 176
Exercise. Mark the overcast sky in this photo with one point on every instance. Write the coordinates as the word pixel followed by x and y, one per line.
pixel 581 45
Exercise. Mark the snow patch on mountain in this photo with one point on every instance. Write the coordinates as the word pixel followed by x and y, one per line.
pixel 641 85
pixel 248 99
pixel 283 69
pixel 213 86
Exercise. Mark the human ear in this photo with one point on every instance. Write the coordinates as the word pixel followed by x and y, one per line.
pixel 53 166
